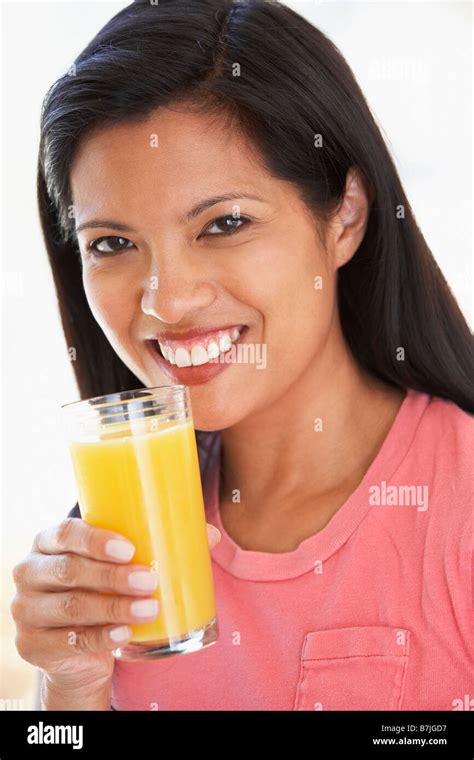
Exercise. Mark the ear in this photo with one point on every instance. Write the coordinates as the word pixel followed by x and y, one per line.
pixel 347 227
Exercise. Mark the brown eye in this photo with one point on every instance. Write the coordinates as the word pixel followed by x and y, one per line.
pixel 229 225
pixel 108 245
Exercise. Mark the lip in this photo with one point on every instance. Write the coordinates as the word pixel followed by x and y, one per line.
pixel 198 375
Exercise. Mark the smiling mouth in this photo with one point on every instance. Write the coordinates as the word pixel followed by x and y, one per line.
pixel 199 351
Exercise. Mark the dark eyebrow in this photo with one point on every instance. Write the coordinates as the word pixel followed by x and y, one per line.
pixel 218 199
pixel 202 206
pixel 105 223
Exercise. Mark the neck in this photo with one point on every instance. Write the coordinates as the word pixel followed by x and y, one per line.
pixel 317 439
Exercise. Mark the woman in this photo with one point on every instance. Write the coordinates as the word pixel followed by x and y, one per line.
pixel 211 180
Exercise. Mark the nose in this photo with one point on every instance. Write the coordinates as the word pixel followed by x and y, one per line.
pixel 174 294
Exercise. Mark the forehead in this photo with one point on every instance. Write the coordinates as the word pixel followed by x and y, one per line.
pixel 170 157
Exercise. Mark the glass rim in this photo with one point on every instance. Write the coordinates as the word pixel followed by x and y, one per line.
pixel 120 397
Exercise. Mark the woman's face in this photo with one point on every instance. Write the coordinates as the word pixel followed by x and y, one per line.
pixel 167 270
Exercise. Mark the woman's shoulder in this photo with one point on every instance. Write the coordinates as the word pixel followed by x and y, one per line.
pixel 448 430
pixel 446 412
pixel 441 456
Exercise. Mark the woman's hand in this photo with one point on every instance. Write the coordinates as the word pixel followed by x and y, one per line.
pixel 65 624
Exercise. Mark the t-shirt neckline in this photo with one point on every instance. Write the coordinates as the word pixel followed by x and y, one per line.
pixel 268 566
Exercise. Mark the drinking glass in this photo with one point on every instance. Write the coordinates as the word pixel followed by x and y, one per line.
pixel 136 465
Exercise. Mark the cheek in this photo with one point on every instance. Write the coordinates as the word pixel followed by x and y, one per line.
pixel 111 303
pixel 297 299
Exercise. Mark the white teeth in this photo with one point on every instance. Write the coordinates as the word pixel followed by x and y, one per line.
pixel 213 350
pixel 199 355
pixel 182 357
pixel 225 342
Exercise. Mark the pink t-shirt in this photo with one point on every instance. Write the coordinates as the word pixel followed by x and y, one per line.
pixel 373 612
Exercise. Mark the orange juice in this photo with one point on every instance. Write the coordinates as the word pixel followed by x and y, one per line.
pixel 146 485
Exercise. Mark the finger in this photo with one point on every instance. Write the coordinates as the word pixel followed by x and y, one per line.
pixel 81 607
pixel 75 535
pixel 46 646
pixel 54 572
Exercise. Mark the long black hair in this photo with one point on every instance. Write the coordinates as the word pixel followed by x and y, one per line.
pixel 290 90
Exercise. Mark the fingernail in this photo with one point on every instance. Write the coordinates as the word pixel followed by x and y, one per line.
pixel 145 608
pixel 119 549
pixel 122 633
pixel 215 533
pixel 143 579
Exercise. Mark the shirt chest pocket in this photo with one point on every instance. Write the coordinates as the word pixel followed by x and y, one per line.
pixel 360 668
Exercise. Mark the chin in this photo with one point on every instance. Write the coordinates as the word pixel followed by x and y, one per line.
pixel 220 411
pixel 211 419
pixel 215 405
